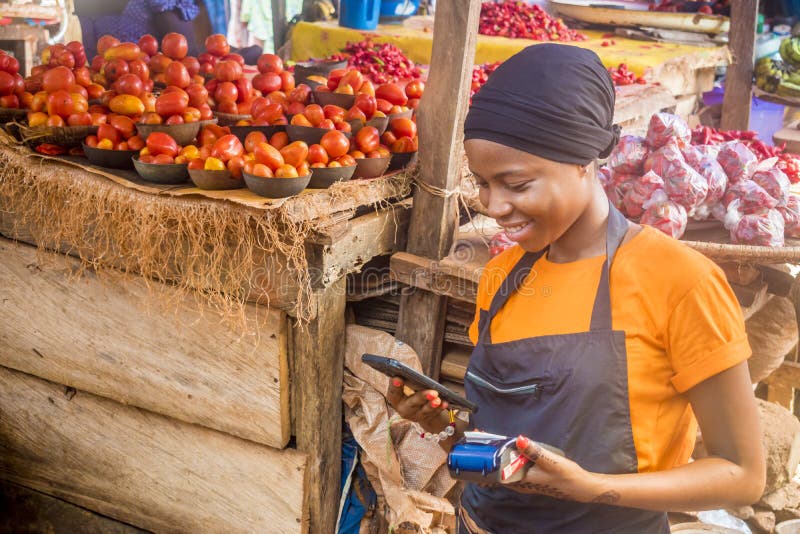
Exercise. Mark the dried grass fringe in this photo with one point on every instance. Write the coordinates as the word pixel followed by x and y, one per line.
pixel 212 252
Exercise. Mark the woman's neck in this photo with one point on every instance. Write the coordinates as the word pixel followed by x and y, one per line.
pixel 586 238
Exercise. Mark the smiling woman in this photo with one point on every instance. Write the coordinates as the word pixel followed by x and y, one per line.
pixel 631 338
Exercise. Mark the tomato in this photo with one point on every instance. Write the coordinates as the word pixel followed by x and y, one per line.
pixel 115 68
pixel 226 92
pixel 105 42
pixel 346 160
pixel 105 144
pixel 367 104
pixel 106 131
pixel 25 100
pixel 135 142
pixel 262 171
pixel 95 91
pixel 217 45
pixel 80 90
pixel 245 89
pixel 317 154
pixel 76 49
pixel 148 44
pixel 9 101
pixel 353 78
pixel 384 106
pixel 287 81
pixel 177 75
pixel 60 103
pixel 192 65
pixel 335 143
pixel 8 84
pixel 56 79
pixel 403 145
pixel 235 165
pixel 267 82
pixel 286 171
pixel 334 77
pixel 301 120
pixel 91 140
pixel 301 93
pixel 357 154
pixel 344 89
pixel 413 103
pixel 97 63
pixel 355 114
pixel 269 63
pixel 159 63
pixel 125 51
pixel 214 164
pixel 173 103
pixel 161 143
pixel 9 64
pixel 253 139
pixel 268 155
pixel 302 169
pixel 174 119
pixel 326 124
pixel 279 140
pixel 314 114
pixel 403 127
pixel 205 112
pixel 415 88
pixel 207 58
pixel 368 138
pixel 129 84
pixel 151 118
pixel 192 114
pixel 175 45
pixel 126 105
pixel 388 138
pixel 163 159
pixel 392 93
pixel 343 126
pixel 98 118
pixel 196 164
pixel 228 71
pixel 367 88
pixel 227 147
pixel 334 164
pixel 124 125
pixel 334 113
pixel 295 108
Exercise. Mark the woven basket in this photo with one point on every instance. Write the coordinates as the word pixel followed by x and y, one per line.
pixel 66 136
pixel 12 114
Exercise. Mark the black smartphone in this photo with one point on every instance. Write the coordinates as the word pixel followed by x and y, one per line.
pixel 417 381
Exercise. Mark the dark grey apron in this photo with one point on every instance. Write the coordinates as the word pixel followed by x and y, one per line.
pixel 570 391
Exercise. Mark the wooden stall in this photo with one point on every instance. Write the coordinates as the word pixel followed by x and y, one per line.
pixel 173 358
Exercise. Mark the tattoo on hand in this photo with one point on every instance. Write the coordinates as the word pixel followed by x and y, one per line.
pixel 609 497
pixel 544 489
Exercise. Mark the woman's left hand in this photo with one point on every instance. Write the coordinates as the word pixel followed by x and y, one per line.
pixel 553 475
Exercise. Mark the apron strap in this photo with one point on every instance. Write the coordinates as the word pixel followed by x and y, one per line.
pixel 615 233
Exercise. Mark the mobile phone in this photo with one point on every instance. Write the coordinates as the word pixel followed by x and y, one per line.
pixel 417 381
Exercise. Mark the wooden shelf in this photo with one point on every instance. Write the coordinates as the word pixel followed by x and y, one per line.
pixel 30 11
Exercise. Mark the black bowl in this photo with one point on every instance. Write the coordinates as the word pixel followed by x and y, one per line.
pixel 323 98
pixel 304 69
pixel 113 159
pixel 184 134
pixel 402 160
pixel 324 177
pixel 380 123
pixel 407 114
pixel 308 134
pixel 215 180
pixel 242 131
pixel 175 173
pixel 371 167
pixel 276 187
pixel 230 119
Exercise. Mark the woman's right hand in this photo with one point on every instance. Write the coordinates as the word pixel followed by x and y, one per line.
pixel 423 407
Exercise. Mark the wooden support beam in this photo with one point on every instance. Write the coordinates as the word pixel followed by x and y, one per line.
pixel 434 218
pixel 278 23
pixel 739 78
pixel 317 366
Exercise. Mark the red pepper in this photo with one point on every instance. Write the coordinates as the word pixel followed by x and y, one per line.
pixel 51 150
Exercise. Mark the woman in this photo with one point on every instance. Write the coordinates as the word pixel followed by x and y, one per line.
pixel 620 402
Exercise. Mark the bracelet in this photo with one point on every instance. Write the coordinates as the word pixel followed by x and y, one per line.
pixel 448 431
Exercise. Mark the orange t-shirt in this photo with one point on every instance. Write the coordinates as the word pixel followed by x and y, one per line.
pixel 681 320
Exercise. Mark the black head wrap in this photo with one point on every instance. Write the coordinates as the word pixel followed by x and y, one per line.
pixel 553 101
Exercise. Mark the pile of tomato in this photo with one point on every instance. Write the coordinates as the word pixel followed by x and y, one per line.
pixel 520 20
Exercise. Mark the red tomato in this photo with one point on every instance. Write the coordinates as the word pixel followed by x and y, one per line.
pixel 228 71
pixel 335 143
pixel 267 82
pixel 317 154
pixel 65 59
pixel 403 127
pixel 392 93
pixel 233 57
pixel 115 68
pixel 253 139
pixel 226 92
pixel 192 114
pixel 129 84
pixel 269 63
pixel 205 112
pixel 159 62
pixel 9 64
pixel 8 84
pixel 355 114
pixel 217 45
pixel 228 107
pixel 353 78
pixel 403 145
pixel 301 93
pixel 161 143
pixel 55 121
pixel 346 161
pixel 279 140
pixel 287 81
pixel 268 155
pixel 367 104
pixel 192 65
pixel 196 164
pixel 384 106
pixel 177 75
pixel 197 95
pixel 367 88
pixel 174 45
pixel 235 165
pixel 124 125
pixel 151 118
pixel 206 58
pixel 105 42
pixel 79 89
pixel 163 159
pixel 245 89
pixel 413 103
pixel 172 103
pixel 259 169
pixel 106 131
pixel 295 108
pixel 334 77
pixel 368 138
pixel 10 101
pixel 388 138
pixel 227 147
pixel 135 143
pixel 148 44
pixel 327 124
pixel 286 171
pixel 82 76
pixel 415 88
pixel 343 126
pixel 334 113
pixel 60 103
pixel 91 140
pixel 175 119
pixel 301 120
pixel 58 78
pixel 314 113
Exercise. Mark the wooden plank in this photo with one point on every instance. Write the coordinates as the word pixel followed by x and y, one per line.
pixel 636 101
pixel 783 395
pixel 110 339
pixel 421 273
pixel 278 23
pixel 787 375
pixel 739 76
pixel 454 364
pixel 146 469
pixel 434 219
pixel 317 365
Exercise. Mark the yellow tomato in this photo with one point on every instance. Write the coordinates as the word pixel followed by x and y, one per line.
pixel 128 105
pixel 190 152
pixel 144 152
pixel 214 164
pixel 37 118
pixel 106 144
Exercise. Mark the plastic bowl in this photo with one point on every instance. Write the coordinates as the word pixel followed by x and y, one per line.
pixel 324 98
pixel 215 180
pixel 402 160
pixel 242 131
pixel 183 134
pixel 276 187
pixel 371 167
pixel 308 134
pixel 171 174
pixel 113 159
pixel 304 69
pixel 381 123
pixel 324 177
pixel 407 114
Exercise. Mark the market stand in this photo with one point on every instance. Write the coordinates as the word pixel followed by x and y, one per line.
pixel 137 384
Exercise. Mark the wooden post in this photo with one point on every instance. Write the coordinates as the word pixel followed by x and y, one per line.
pixel 278 23
pixel 739 79
pixel 433 218
pixel 317 370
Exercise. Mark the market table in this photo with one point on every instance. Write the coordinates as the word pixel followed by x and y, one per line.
pixel 683 69
pixel 179 365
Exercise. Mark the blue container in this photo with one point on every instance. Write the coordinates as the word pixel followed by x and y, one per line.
pixel 359 14
pixel 395 11
pixel 766 118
